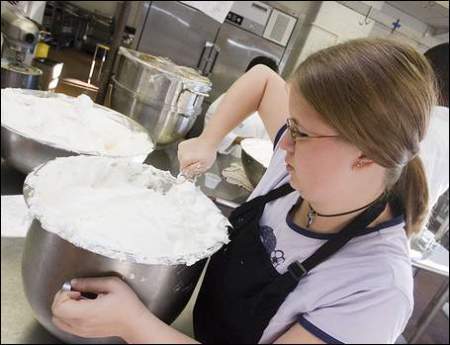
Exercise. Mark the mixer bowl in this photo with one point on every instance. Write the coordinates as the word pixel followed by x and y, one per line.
pixel 49 261
pixel 26 153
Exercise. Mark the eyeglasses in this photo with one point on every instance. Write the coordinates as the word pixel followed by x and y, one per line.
pixel 297 135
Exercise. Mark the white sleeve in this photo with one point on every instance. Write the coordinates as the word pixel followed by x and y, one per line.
pixel 366 317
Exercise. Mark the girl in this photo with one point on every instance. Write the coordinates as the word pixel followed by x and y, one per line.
pixel 319 253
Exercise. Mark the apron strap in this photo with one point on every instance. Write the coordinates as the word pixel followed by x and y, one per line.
pixel 262 200
pixel 298 270
pixel 254 208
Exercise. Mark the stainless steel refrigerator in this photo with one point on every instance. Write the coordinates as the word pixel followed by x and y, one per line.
pixel 220 51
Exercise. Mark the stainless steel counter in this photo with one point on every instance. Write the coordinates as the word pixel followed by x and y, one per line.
pixel 17 321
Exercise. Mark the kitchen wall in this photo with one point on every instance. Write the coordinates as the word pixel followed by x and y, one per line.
pixel 333 22
pixel 414 31
pixel 324 24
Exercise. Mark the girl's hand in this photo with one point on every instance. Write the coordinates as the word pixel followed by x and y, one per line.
pixel 110 314
pixel 196 156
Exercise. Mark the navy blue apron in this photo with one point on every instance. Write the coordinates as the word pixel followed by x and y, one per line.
pixel 242 290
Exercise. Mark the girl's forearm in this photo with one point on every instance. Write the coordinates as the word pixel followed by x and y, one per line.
pixel 148 329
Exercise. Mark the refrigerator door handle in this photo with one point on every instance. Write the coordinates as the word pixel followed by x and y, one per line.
pixel 204 56
pixel 215 51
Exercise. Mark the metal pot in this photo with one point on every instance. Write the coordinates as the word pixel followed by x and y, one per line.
pixel 49 261
pixel 163 97
pixel 25 153
pixel 164 122
pixel 19 75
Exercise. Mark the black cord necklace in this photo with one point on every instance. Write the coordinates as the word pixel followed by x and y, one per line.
pixel 312 213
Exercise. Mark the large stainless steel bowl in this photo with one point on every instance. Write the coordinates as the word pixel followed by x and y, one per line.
pixel 163 122
pixel 19 75
pixel 49 261
pixel 25 153
pixel 163 97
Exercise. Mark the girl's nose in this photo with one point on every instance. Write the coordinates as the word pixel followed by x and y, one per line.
pixel 286 143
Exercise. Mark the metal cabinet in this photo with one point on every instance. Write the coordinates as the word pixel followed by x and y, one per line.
pixel 237 48
pixel 179 32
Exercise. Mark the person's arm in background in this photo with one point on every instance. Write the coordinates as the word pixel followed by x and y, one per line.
pixel 260 89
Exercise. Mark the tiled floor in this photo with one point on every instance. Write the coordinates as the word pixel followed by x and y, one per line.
pixel 77 65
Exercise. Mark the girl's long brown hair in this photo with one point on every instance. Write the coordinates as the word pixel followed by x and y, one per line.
pixel 378 94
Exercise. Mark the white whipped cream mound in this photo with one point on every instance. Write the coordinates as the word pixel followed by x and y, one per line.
pixel 73 124
pixel 125 210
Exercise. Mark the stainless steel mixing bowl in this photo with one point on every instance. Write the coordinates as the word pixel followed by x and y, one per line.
pixel 25 153
pixel 49 261
pixel 163 97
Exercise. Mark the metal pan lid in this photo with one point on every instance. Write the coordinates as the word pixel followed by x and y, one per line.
pixel 188 75
pixel 192 75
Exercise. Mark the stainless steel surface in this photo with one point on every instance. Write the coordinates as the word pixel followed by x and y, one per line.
pixel 161 82
pixel 209 54
pixel 18 75
pixel 222 51
pixel 49 261
pixel 253 169
pixel 251 16
pixel 163 124
pixel 177 31
pixel 163 97
pixel 26 153
pixel 237 49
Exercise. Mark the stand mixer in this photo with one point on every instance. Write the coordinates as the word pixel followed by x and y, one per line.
pixel 20 37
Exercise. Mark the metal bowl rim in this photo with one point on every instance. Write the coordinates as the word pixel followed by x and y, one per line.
pixel 27 194
pixel 133 55
pixel 115 115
